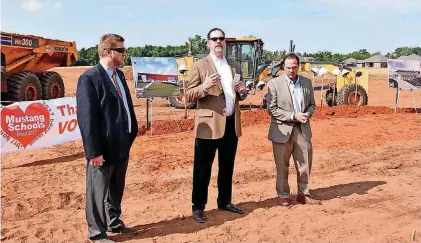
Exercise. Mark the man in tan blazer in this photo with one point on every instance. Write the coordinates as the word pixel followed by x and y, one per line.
pixel 291 105
pixel 216 85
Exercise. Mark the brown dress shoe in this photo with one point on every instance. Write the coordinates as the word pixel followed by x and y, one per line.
pixel 285 202
pixel 308 200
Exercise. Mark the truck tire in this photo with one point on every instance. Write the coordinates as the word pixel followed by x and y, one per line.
pixel 346 96
pixel 23 86
pixel 3 74
pixel 329 98
pixel 178 102
pixel 3 83
pixel 52 86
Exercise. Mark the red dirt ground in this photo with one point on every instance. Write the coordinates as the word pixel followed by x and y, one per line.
pixel 366 169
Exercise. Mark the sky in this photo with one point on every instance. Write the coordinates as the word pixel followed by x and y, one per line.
pixel 339 26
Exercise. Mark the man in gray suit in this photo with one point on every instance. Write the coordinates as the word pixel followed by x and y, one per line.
pixel 291 105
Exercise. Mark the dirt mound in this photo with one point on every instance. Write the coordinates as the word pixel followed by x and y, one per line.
pixel 262 116
pixel 253 117
pixel 355 111
pixel 167 127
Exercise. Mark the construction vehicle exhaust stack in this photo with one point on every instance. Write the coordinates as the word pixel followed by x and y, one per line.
pixel 25 60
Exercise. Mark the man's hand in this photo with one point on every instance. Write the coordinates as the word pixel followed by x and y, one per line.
pixel 301 117
pixel 240 87
pixel 211 80
pixel 97 161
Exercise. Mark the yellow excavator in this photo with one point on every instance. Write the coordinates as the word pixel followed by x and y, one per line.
pixel 25 60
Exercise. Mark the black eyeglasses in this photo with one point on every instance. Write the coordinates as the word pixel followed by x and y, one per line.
pixel 217 38
pixel 119 50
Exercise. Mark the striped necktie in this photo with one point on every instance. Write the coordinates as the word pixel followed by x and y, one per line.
pixel 114 76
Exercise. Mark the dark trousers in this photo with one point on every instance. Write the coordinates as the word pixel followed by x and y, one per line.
pixel 104 191
pixel 204 154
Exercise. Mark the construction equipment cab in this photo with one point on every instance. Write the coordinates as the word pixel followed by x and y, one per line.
pixel 25 60
pixel 248 53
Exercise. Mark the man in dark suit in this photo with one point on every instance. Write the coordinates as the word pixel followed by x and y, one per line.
pixel 108 127
pixel 216 85
pixel 291 105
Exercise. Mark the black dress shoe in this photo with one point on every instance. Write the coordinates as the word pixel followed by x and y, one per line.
pixel 199 216
pixel 123 230
pixel 232 208
pixel 104 240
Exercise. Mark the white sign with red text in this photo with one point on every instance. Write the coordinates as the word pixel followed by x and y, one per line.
pixel 37 124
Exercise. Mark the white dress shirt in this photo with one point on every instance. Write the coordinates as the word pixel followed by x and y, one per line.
pixel 224 69
pixel 296 94
pixel 123 92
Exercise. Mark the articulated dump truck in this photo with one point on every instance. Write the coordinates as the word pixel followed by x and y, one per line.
pixel 25 61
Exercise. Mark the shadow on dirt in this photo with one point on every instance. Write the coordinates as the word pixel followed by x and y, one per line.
pixel 58 160
pixel 216 218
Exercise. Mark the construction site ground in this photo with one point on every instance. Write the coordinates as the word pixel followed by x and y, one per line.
pixel 366 169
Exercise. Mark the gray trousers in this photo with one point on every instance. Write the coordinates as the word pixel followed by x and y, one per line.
pixel 104 191
pixel 302 152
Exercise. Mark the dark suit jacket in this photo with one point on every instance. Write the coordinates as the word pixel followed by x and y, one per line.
pixel 102 117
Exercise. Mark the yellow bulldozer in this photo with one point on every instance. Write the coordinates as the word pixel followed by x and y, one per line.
pixel 25 60
pixel 246 50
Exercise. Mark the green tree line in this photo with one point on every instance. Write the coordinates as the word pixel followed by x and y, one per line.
pixel 89 56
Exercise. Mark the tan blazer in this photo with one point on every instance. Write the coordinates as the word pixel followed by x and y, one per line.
pixel 280 107
pixel 210 116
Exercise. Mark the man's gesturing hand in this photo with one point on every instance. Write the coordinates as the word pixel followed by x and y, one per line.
pixel 211 80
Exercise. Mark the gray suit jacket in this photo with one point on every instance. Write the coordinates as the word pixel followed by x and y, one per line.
pixel 280 108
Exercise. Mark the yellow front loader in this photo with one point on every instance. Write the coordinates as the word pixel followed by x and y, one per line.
pixel 349 88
